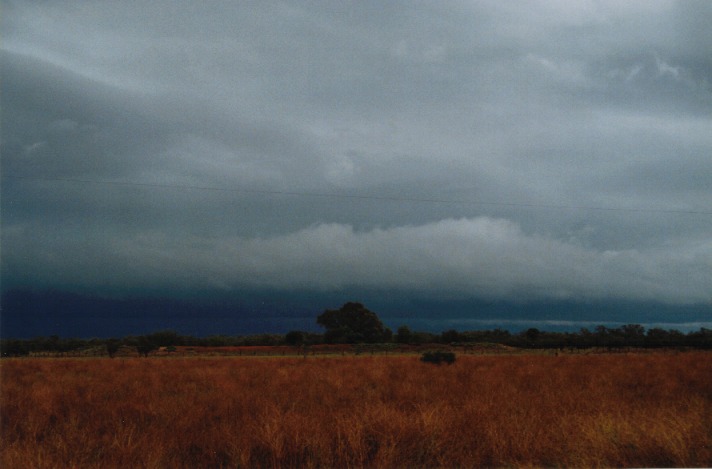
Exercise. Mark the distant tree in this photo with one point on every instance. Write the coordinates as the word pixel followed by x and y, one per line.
pixel 262 339
pixel 14 348
pixel 71 345
pixel 602 336
pixel 144 346
pixel 450 336
pixel 351 324
pixel 583 339
pixel 488 336
pixel 676 338
pixel 633 334
pixel 165 338
pixel 404 335
pixel 51 344
pixel 701 338
pixel 216 341
pixel 657 337
pixel 532 336
pixel 419 337
pixel 112 346
pixel 294 338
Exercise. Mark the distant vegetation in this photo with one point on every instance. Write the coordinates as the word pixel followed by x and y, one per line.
pixel 354 324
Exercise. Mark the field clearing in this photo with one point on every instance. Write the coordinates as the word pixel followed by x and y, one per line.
pixel 604 410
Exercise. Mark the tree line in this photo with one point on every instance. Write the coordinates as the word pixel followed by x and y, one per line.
pixel 355 324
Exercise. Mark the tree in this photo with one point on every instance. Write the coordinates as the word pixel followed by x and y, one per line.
pixel 450 336
pixel 351 324
pixel 657 337
pixel 145 346
pixel 165 338
pixel 532 335
pixel 112 346
pixel 14 348
pixel 404 335
pixel 294 338
pixel 633 334
pixel 701 338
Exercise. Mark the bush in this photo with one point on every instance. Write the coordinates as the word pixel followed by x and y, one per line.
pixel 438 357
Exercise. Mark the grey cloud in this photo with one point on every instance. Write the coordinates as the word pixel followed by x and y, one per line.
pixel 510 111
pixel 83 127
pixel 61 124
pixel 481 257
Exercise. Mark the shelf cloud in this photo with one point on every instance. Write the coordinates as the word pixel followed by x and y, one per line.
pixel 516 151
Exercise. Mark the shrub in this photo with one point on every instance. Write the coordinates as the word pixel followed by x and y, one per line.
pixel 438 357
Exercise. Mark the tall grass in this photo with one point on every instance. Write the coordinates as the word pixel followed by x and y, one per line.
pixel 582 411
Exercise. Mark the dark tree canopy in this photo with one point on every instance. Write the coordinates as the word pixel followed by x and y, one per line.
pixel 404 335
pixel 351 324
pixel 294 338
pixel 112 346
pixel 145 346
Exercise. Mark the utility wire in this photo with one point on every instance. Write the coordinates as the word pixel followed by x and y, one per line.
pixel 356 196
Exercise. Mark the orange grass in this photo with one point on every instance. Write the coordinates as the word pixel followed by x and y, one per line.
pixel 570 410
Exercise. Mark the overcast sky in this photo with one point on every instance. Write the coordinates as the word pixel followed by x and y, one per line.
pixel 523 151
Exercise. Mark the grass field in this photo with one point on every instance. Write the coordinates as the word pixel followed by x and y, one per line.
pixel 383 411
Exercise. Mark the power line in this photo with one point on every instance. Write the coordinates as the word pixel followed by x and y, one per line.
pixel 356 196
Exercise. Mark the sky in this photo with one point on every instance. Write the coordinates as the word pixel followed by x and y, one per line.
pixel 467 163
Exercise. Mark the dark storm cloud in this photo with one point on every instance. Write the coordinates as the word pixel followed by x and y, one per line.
pixel 189 145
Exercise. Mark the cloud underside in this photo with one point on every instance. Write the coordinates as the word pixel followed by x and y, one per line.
pixel 476 257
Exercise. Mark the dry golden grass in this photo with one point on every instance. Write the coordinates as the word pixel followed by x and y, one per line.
pixel 574 411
